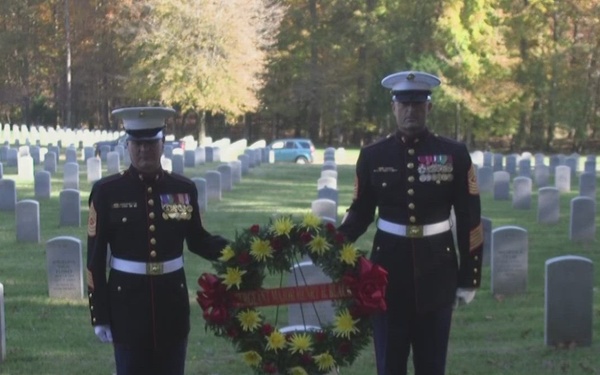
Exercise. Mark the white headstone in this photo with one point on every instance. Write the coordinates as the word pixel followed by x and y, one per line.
pixel 326 209
pixel 569 290
pixel 315 314
pixel 94 169
pixel 582 227
pixel 25 168
pixel 113 162
pixel 329 182
pixel 509 260
pixel 226 177
pixel 8 195
pixel 548 205
pixel 177 164
pixel 201 188
pixel 64 266
pixel 213 185
pixel 70 208
pixel 27 218
pixel 562 178
pixel 71 176
pixel 501 185
pixel 522 193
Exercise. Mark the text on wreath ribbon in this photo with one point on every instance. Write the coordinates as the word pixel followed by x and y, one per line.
pixel 288 295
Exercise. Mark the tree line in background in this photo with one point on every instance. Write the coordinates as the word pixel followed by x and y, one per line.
pixel 517 74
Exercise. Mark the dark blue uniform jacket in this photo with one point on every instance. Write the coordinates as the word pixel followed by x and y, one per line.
pixel 417 182
pixel 144 220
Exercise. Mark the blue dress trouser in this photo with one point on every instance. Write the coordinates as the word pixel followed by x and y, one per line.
pixel 148 361
pixel 426 333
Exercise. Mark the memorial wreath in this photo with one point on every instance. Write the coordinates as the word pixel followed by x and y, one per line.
pixel 229 298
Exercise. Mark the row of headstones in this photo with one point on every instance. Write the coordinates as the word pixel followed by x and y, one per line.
pixel 521 164
pixel 27 218
pixel 25 159
pixel 47 135
pixel 94 170
pixel 568 285
pixel 312 315
pixel 27 212
pixel 42 179
pixel 498 183
pixel 325 205
pixel 582 208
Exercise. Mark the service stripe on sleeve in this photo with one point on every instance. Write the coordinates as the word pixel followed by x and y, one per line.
pixel 92 218
pixel 476 237
pixel 473 188
pixel 90 280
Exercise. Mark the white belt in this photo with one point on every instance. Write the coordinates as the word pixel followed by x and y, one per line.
pixel 413 231
pixel 142 268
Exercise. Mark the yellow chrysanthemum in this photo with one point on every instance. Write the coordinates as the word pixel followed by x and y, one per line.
pixel 226 254
pixel 275 341
pixel 300 343
pixel 261 249
pixel 349 254
pixel 319 245
pixel 311 221
pixel 249 320
pixel 297 371
pixel 282 226
pixel 233 276
pixel 325 361
pixel 344 325
pixel 252 358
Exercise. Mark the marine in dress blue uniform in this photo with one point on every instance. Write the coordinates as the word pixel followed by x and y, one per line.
pixel 413 179
pixel 144 215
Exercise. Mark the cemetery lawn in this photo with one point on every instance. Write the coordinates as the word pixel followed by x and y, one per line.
pixel 493 335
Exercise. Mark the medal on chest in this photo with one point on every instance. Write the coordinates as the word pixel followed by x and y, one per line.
pixel 176 206
pixel 436 168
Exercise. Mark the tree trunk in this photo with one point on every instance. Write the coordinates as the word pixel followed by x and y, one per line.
pixel 201 127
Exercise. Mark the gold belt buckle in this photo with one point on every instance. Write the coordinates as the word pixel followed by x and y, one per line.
pixel 414 231
pixel 154 268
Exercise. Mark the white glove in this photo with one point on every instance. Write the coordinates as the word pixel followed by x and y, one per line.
pixel 464 296
pixel 103 332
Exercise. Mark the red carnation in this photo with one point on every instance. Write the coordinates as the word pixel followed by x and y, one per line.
pixel 320 336
pixel 306 237
pixel 340 238
pixel 306 359
pixel 356 311
pixel 330 227
pixel 232 332
pixel 276 244
pixel 267 329
pixel 255 229
pixel 269 368
pixel 244 258
pixel 345 347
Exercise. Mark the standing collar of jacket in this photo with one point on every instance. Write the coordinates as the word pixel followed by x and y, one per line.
pixel 145 177
pixel 413 138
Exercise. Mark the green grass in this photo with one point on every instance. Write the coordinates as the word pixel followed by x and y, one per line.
pixel 490 336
